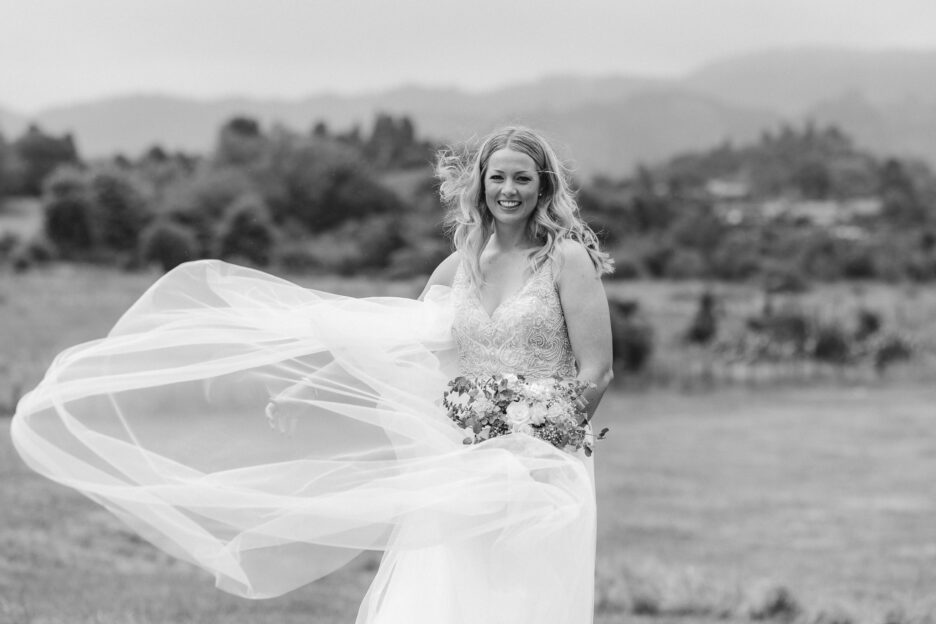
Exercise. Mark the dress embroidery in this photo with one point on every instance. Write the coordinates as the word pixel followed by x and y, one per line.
pixel 526 334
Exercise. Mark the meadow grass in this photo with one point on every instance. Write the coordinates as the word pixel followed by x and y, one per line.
pixel 670 305
pixel 709 505
pixel 48 309
pixel 732 505
pixel 707 502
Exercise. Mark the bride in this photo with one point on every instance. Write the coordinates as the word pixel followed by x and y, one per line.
pixel 161 421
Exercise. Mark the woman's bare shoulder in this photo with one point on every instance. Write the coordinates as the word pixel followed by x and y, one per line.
pixel 576 261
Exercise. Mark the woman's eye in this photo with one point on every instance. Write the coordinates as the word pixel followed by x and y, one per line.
pixel 496 178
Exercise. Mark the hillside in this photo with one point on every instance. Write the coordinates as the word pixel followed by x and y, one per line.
pixel 886 99
pixel 791 81
pixel 906 126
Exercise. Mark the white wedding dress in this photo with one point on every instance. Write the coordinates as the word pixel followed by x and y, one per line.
pixel 162 423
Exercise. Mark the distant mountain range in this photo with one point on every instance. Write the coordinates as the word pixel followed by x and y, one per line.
pixel 885 99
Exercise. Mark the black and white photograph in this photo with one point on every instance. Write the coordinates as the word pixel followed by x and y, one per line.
pixel 491 312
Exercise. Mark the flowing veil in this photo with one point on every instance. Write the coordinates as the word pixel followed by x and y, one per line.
pixel 162 422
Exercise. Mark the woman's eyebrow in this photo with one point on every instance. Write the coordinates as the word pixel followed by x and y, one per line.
pixel 530 171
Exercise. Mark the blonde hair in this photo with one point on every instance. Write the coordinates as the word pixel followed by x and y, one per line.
pixel 555 219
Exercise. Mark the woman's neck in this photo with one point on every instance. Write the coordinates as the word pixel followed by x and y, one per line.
pixel 506 239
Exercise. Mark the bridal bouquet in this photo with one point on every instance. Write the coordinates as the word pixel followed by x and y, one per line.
pixel 550 408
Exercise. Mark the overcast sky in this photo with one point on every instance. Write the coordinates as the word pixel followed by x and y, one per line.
pixel 61 51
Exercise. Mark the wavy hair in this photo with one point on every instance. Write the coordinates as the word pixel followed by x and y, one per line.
pixel 556 218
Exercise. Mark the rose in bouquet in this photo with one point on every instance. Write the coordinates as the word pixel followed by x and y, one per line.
pixel 548 408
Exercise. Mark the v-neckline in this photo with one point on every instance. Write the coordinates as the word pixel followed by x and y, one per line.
pixel 490 315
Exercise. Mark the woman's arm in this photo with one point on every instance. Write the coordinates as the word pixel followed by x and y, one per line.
pixel 588 320
pixel 444 274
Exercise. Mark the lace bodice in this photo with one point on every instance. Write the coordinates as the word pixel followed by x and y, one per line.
pixel 525 335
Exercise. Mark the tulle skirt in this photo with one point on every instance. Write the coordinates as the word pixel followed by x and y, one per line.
pixel 162 422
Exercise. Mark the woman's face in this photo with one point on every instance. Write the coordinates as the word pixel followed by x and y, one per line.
pixel 511 186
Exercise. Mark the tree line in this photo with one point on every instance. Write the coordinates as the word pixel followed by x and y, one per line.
pixel 358 201
pixel 312 201
pixel 665 221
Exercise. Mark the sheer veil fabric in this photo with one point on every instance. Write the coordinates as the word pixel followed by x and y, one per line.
pixel 162 422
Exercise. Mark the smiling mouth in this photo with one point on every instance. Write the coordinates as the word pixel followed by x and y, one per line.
pixel 508 204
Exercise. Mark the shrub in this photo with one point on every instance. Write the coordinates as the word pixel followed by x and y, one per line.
pixel 632 336
pixel 869 323
pixel 656 259
pixel 777 603
pixel 737 257
pixel 120 209
pixel 823 257
pixel 392 144
pixel 831 344
pixel 787 326
pixel 704 323
pixel 771 337
pixel 698 228
pixel 39 154
pixel 200 203
pixel 377 237
pixel 30 253
pixel 163 171
pixel 355 246
pixel 792 334
pixel 247 231
pixel 859 263
pixel 891 349
pixel 68 218
pixel 240 142
pixel 168 244
pixel 322 184
pixel 9 241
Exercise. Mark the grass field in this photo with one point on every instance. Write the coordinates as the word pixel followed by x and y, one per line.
pixel 828 493
pixel 46 310
pixel 712 506
pixel 706 504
